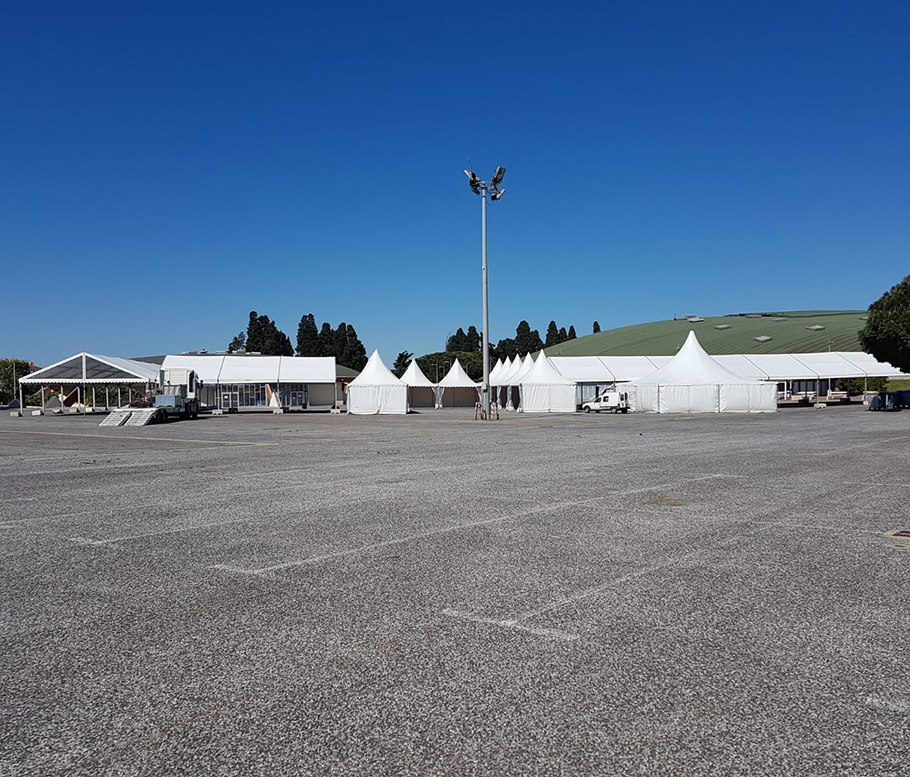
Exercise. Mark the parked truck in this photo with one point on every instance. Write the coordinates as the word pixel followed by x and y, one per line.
pixel 611 401
pixel 177 395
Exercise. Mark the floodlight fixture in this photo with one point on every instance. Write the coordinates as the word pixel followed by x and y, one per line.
pixel 498 174
pixel 473 181
pixel 497 195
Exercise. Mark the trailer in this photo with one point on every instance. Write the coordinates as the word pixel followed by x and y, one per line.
pixel 177 397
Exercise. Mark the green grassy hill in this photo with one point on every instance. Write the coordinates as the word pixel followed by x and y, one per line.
pixel 788 331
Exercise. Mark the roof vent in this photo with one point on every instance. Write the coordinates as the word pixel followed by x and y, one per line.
pixel 864 318
pixel 695 320
pixel 753 315
pixel 779 318
pixel 722 326
pixel 815 328
pixel 763 339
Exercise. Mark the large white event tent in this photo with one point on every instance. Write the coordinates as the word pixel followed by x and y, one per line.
pixel 84 371
pixel 693 382
pixel 376 391
pixel 231 381
pixel 421 390
pixel 461 387
pixel 544 390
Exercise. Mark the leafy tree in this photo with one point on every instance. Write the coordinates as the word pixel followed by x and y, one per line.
pixel 572 335
pixel 552 335
pixel 563 335
pixel 504 349
pixel 307 336
pixel 438 364
pixel 473 340
pixel 354 354
pixel 457 342
pixel 401 363
pixel 10 372
pixel 887 332
pixel 527 340
pixel 238 343
pixel 855 386
pixel 596 327
pixel 263 336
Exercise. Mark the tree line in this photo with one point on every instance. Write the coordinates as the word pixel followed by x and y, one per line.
pixel 467 347
pixel 263 336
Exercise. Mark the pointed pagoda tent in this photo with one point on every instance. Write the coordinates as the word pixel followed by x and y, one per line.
pixel 494 373
pixel 692 382
pixel 77 374
pixel 499 382
pixel 421 390
pixel 544 390
pixel 463 392
pixel 515 381
pixel 376 391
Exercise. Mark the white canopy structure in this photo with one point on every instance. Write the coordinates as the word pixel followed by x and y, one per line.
pixel 458 381
pixel 77 374
pixel 693 382
pixel 91 368
pixel 376 391
pixel 421 390
pixel 544 390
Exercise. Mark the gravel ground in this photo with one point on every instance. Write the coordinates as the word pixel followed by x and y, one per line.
pixel 430 595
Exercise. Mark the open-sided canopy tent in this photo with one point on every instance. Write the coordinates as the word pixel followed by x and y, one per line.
pixel 544 390
pixel 463 392
pixel 376 391
pixel 92 370
pixel 692 382
pixel 421 390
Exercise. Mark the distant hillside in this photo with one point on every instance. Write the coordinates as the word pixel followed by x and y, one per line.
pixel 789 332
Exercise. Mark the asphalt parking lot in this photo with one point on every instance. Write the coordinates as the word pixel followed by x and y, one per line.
pixel 430 595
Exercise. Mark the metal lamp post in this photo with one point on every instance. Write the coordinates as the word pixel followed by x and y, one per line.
pixel 481 188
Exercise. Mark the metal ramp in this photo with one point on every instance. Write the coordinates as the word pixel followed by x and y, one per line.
pixel 141 417
pixel 116 418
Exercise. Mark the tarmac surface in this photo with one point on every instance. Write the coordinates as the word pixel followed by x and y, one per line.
pixel 429 595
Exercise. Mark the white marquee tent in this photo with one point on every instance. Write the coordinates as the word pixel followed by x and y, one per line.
pixel 376 391
pixel 421 390
pixel 693 382
pixel 458 381
pixel 544 390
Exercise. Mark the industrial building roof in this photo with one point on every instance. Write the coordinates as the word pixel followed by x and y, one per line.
pixel 804 331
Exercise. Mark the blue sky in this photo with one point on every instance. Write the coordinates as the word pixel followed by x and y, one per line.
pixel 167 167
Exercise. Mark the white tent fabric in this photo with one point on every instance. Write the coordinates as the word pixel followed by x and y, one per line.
pixel 871 366
pixel 413 376
pixel 494 373
pixel 376 391
pixel 825 363
pixel 583 369
pixel 692 382
pixel 421 390
pixel 92 368
pixel 516 377
pixel 505 376
pixel 220 369
pixel 456 378
pixel 544 390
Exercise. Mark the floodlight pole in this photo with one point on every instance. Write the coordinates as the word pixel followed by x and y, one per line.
pixel 486 312
pixel 482 188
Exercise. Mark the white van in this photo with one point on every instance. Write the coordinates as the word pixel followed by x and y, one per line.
pixel 614 401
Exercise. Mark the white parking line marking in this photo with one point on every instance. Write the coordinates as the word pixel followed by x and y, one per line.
pixel 112 540
pixel 511 624
pixel 449 529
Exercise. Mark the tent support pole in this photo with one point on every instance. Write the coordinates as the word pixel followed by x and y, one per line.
pixel 42 400
pixel 21 401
